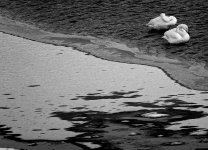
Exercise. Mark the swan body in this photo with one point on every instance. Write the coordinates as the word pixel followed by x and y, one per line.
pixel 162 22
pixel 177 35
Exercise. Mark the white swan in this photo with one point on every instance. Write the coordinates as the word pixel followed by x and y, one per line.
pixel 177 35
pixel 162 22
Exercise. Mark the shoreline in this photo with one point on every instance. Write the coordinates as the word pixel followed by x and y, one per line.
pixel 130 129
pixel 192 75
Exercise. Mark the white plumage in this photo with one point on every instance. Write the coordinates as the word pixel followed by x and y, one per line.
pixel 162 22
pixel 177 35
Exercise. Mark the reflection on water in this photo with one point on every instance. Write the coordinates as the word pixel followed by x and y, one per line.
pixel 48 96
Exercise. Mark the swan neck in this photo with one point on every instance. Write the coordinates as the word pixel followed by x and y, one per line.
pixel 165 18
pixel 182 32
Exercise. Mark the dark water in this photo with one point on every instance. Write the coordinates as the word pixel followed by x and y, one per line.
pixel 119 19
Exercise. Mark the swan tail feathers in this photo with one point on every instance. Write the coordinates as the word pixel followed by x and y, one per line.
pixel 149 24
pixel 164 37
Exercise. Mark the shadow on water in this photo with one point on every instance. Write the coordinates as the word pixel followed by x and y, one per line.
pixel 97 123
pixel 152 120
pixel 112 95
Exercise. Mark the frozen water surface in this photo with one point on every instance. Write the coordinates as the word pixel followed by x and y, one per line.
pixel 39 79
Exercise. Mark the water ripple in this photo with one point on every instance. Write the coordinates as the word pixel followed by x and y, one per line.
pixel 124 20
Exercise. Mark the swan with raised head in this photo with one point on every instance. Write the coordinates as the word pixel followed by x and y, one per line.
pixel 177 35
pixel 162 22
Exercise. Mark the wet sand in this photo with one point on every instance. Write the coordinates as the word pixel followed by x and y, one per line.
pixel 192 75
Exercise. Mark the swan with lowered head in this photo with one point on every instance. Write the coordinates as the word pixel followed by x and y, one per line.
pixel 162 22
pixel 177 35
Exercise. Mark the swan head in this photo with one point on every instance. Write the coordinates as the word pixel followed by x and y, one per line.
pixel 183 26
pixel 173 19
